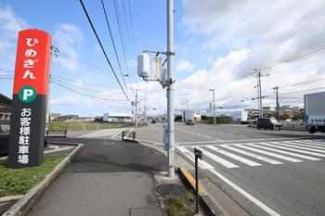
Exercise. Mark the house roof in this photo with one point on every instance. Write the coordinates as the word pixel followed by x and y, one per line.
pixel 4 98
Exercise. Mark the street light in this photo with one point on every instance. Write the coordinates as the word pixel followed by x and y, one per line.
pixel 214 105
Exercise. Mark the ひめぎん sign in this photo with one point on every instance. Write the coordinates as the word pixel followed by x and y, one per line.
pixel 30 98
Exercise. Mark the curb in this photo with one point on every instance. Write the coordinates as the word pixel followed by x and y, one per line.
pixel 21 207
pixel 206 202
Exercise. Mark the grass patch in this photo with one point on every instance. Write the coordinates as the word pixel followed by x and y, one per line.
pixel 180 205
pixel 20 181
pixel 73 126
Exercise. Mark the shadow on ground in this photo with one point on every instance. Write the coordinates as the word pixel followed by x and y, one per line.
pixel 117 156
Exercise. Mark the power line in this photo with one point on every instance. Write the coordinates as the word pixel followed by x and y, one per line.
pixel 84 94
pixel 120 33
pixel 113 43
pixel 307 54
pixel 131 24
pixel 63 78
pixel 103 50
pixel 78 87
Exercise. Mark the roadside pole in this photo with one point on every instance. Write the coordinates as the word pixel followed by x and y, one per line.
pixel 260 89
pixel 213 105
pixel 170 88
pixel 277 115
pixel 136 108
pixel 259 93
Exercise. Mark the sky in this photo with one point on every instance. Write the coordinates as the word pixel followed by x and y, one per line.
pixel 218 45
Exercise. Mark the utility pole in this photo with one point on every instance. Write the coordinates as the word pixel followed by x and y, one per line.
pixel 277 109
pixel 213 105
pixel 170 87
pixel 136 108
pixel 259 93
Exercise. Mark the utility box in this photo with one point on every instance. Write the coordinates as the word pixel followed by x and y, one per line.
pixel 163 78
pixel 156 68
pixel 144 65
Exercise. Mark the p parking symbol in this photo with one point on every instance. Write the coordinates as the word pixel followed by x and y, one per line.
pixel 27 94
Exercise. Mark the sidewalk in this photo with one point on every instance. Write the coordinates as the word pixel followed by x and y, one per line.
pixel 108 178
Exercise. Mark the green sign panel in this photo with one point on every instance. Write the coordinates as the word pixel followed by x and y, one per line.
pixel 27 94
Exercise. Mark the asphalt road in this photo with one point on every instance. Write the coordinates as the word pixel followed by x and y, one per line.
pixel 265 172
pixel 107 178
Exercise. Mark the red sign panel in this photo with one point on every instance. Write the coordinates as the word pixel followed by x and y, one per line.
pixel 33 61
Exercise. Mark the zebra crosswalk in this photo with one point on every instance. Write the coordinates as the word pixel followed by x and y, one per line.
pixel 257 154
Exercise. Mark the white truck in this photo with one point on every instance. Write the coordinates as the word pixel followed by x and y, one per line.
pixel 315 112
pixel 244 117
pixel 189 117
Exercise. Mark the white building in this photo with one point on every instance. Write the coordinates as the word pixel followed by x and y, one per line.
pixel 118 117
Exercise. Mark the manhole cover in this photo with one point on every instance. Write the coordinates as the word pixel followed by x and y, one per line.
pixel 171 189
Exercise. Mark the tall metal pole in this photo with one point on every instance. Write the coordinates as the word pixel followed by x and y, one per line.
pixel 170 88
pixel 259 93
pixel 277 109
pixel 136 108
pixel 213 105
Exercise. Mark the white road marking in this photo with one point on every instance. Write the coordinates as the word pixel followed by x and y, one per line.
pixel 254 200
pixel 269 153
pixel 261 158
pixel 58 149
pixel 233 141
pixel 190 156
pixel 306 144
pixel 292 148
pixel 274 149
pixel 127 134
pixel 217 159
pixel 299 146
pixel 234 156
pixel 116 134
pixel 309 142
pixel 319 140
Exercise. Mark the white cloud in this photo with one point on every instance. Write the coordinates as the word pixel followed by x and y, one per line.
pixel 10 25
pixel 184 65
pixel 67 39
pixel 252 34
pixel 10 22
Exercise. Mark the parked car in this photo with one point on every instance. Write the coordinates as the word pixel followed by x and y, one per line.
pixel 268 124
pixel 189 122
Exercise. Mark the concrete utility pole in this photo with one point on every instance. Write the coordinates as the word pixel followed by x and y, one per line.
pixel 170 88
pixel 259 93
pixel 213 105
pixel 136 108
pixel 277 109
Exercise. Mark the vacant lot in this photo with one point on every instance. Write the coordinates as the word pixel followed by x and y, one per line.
pixel 83 125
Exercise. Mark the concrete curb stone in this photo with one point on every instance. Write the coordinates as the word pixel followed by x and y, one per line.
pixel 22 206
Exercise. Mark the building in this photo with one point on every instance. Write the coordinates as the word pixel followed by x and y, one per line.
pixel 5 108
pixel 118 117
